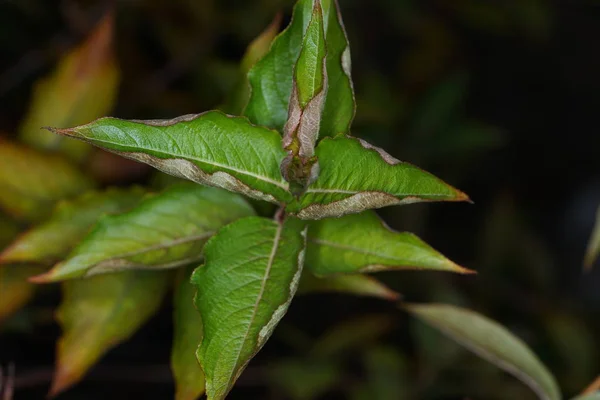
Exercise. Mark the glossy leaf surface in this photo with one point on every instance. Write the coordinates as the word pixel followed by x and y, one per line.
pixel 355 176
pixel 251 272
pixel 362 243
pixel 210 148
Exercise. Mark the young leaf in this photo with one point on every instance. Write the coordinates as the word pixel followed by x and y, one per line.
pixel 82 88
pixel 240 95
pixel 98 313
pixel 363 243
pixel 31 182
pixel 308 91
pixel 164 231
pixel 15 290
pixel 69 222
pixel 187 325
pixel 355 284
pixel 210 148
pixel 491 341
pixel 250 275
pixel 355 176
pixel 272 78
pixel 340 104
pixel 593 249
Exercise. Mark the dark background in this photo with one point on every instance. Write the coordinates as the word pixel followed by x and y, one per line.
pixel 499 98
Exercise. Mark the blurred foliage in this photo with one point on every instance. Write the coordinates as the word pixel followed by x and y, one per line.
pixel 499 95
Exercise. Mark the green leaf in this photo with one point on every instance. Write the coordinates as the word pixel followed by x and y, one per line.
pixel 340 104
pixel 15 289
pixel 355 176
pixel 31 182
pixel 593 249
pixel 355 284
pixel 187 325
pixel 308 91
pixel 98 313
pixel 590 396
pixel 69 222
pixel 272 78
pixel 210 148
pixel 82 88
pixel 491 341
pixel 238 99
pixel 250 275
pixel 302 379
pixel 164 231
pixel 352 335
pixel 359 243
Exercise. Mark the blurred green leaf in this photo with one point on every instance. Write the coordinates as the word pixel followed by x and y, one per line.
pixel 352 335
pixel 82 88
pixel 31 183
pixel 189 378
pixel 378 180
pixel 304 379
pixel 69 222
pixel 250 275
pixel 15 289
pixel 163 231
pixel 363 243
pixel 354 284
pixel 491 341
pixel 593 249
pixel 386 374
pixel 98 313
pixel 210 148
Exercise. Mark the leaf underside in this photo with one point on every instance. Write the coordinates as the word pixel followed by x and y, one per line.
pixel 164 231
pixel 491 341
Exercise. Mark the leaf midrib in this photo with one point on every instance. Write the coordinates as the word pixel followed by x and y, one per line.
pixel 261 293
pixel 159 246
pixel 263 178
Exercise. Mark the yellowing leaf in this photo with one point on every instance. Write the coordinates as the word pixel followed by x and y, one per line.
pixel 31 182
pixel 70 221
pixel 15 290
pixel 98 313
pixel 82 88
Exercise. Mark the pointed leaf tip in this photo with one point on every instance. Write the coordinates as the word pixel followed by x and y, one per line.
pixel 362 243
pixel 492 342
pixel 378 180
